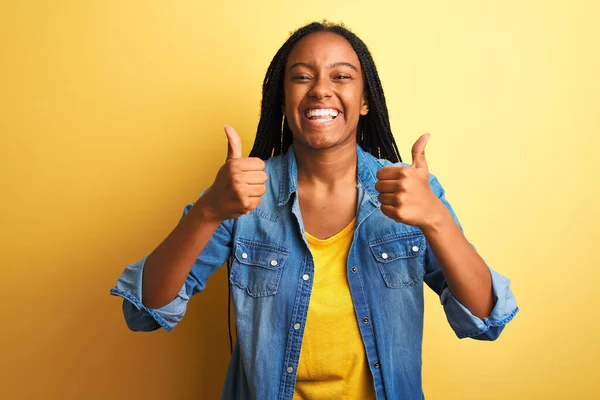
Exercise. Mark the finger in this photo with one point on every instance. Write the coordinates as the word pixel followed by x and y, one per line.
pixel 255 177
pixel 248 164
pixel 387 186
pixel 234 143
pixel 418 152
pixel 389 172
pixel 388 199
pixel 256 190
pixel 249 205
pixel 255 202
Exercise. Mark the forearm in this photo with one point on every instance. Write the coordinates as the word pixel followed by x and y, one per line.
pixel 168 266
pixel 466 273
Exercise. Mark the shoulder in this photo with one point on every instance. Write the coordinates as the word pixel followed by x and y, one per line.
pixel 274 165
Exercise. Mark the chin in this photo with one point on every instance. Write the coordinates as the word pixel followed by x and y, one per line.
pixel 320 141
pixel 319 138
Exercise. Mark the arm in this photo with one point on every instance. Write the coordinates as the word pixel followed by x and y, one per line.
pixel 238 189
pixel 467 275
pixel 168 266
pixel 465 321
pixel 478 301
pixel 158 287
pixel 144 317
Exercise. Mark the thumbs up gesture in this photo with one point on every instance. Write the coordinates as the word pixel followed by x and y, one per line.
pixel 239 185
pixel 404 192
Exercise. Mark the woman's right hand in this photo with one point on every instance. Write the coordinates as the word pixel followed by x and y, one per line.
pixel 239 185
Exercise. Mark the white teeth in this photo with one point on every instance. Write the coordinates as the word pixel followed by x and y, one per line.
pixel 321 112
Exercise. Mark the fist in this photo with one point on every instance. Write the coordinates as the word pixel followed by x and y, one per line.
pixel 404 192
pixel 239 185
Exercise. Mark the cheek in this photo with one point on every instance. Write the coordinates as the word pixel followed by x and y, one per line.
pixel 353 106
pixel 354 98
pixel 292 99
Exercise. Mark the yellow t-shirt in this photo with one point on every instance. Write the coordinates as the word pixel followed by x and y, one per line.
pixel 333 363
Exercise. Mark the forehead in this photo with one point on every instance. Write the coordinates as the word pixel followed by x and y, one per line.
pixel 323 48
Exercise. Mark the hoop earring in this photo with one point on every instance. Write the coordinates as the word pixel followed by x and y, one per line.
pixel 281 135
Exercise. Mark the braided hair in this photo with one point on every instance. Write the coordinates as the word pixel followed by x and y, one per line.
pixel 273 135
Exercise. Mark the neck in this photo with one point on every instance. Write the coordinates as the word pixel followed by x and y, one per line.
pixel 328 167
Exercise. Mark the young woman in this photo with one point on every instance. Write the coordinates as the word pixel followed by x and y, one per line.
pixel 331 238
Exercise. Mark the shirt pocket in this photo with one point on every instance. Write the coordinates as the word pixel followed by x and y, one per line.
pixel 257 267
pixel 400 259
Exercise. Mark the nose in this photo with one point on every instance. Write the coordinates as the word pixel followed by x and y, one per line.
pixel 321 89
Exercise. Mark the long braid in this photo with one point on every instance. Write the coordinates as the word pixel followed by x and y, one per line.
pixel 273 135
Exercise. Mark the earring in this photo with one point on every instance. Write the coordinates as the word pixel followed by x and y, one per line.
pixel 281 136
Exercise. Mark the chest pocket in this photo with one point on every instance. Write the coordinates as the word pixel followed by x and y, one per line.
pixel 400 259
pixel 257 267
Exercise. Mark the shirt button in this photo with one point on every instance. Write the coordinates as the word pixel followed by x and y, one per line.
pixel 305 277
pixel 366 320
pixel 296 326
pixel 354 269
pixel 290 370
pixel 274 262
pixel 244 256
pixel 384 256
pixel 415 248
pixel 376 364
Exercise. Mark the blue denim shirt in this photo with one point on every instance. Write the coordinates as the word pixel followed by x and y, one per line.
pixel 272 274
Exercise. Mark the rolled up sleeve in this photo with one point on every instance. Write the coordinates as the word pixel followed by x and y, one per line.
pixel 466 325
pixel 139 317
pixel 129 285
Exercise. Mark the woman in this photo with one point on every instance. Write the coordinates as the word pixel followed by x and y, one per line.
pixel 331 239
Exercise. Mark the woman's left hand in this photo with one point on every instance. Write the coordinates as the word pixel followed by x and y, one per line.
pixel 404 192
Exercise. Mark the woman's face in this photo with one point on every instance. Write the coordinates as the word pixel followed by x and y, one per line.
pixel 324 91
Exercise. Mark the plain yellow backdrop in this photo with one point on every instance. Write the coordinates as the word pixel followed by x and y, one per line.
pixel 111 117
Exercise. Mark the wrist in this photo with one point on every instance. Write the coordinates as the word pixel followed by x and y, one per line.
pixel 202 211
pixel 437 217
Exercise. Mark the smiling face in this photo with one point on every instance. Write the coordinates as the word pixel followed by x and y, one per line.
pixel 324 91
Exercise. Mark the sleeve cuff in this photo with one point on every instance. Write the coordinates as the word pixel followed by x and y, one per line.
pixel 140 317
pixel 466 324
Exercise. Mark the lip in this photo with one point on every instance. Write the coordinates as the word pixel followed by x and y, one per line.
pixel 313 123
pixel 321 108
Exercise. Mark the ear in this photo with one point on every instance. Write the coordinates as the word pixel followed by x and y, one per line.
pixel 364 107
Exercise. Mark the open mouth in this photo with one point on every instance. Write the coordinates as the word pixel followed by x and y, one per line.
pixel 320 115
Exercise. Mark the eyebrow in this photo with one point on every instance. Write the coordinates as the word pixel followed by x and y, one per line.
pixel 337 64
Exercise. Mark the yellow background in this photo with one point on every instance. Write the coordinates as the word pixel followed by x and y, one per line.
pixel 111 118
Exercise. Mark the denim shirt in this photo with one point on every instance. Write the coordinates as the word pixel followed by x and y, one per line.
pixel 272 274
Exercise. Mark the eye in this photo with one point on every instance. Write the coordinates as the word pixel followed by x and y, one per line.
pixel 300 78
pixel 342 77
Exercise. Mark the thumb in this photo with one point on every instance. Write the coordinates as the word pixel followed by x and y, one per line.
pixel 418 152
pixel 234 143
